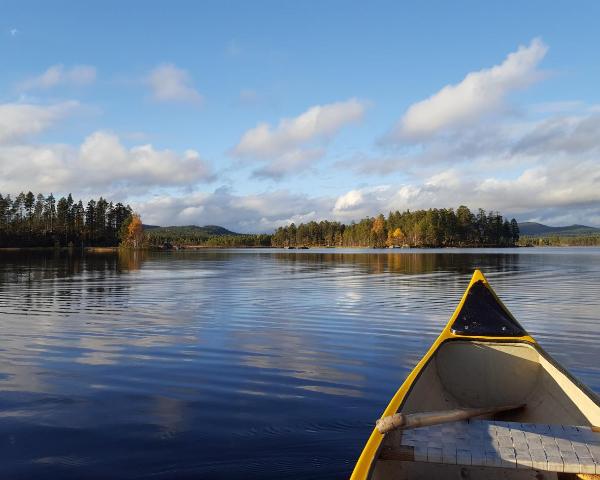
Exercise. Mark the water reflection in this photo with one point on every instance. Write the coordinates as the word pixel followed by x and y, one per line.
pixel 253 363
pixel 374 262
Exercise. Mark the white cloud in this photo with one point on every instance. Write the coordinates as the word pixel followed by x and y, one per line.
pixel 317 123
pixel 354 200
pixel 59 75
pixel 101 164
pixel 295 143
pixel 478 94
pixel 18 120
pixel 172 84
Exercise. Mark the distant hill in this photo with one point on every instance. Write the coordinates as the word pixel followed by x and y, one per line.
pixel 186 234
pixel 186 230
pixel 535 229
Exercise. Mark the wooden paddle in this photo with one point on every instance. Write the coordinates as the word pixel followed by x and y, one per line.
pixel 423 419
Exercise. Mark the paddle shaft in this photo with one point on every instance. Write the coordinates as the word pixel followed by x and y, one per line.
pixel 423 419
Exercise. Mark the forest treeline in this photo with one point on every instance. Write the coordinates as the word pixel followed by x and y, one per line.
pixel 561 241
pixel 240 240
pixel 29 220
pixel 419 228
pixel 207 236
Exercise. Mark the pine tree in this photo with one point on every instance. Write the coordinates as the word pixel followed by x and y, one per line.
pixel 514 229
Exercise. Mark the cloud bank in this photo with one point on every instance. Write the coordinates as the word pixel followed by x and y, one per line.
pixel 549 193
pixel 243 213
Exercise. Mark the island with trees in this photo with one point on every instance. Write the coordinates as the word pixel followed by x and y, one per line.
pixel 419 228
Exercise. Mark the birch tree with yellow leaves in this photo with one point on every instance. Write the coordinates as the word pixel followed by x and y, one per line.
pixel 133 232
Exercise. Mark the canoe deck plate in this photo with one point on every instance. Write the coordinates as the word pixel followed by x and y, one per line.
pixel 554 448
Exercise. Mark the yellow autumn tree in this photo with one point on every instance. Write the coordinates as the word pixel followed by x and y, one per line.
pixel 378 234
pixel 395 238
pixel 134 232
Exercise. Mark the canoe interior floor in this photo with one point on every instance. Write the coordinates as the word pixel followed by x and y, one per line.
pixel 499 445
pixel 401 470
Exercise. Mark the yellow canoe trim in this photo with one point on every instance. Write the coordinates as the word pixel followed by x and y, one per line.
pixel 363 465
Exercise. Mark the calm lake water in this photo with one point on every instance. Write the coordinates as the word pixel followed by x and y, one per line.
pixel 245 363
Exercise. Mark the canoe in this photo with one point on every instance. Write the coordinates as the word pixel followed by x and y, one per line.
pixel 484 358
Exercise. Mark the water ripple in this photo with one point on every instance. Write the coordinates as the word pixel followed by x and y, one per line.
pixel 245 363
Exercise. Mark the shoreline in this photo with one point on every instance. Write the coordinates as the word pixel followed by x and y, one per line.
pixel 62 249
pixel 262 247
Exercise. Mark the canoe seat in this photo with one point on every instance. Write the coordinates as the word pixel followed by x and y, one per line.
pixel 552 448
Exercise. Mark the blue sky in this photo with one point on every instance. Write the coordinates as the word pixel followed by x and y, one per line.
pixel 255 114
